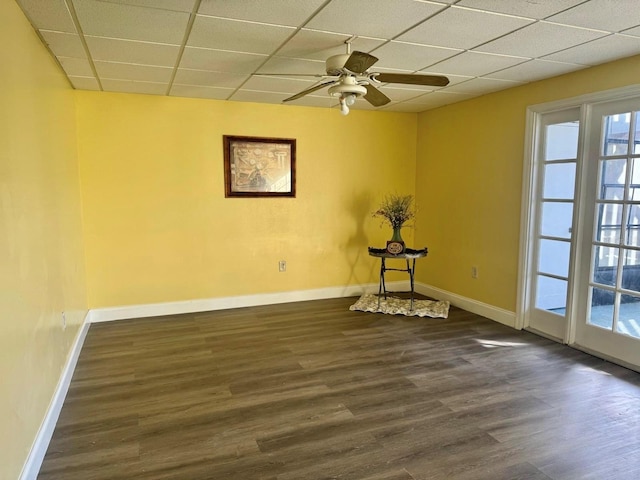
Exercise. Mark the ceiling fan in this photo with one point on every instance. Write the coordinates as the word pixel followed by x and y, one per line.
pixel 350 78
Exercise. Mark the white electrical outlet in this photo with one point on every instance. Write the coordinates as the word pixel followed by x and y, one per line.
pixel 474 272
pixel 64 321
pixel 282 266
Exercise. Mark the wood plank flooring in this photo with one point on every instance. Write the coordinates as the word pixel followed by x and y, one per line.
pixel 312 390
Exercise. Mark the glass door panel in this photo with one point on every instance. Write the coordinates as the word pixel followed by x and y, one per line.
pixel 612 282
pixel 557 145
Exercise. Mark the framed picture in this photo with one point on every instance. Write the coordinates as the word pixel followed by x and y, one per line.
pixel 259 167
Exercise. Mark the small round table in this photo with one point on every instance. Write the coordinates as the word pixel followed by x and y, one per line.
pixel 409 254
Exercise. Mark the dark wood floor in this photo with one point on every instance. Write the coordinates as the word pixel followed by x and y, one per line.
pixel 314 391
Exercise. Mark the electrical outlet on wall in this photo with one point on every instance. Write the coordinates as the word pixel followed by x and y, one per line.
pixel 474 272
pixel 282 266
pixel 64 321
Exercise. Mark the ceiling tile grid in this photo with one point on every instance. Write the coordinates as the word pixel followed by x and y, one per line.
pixel 268 50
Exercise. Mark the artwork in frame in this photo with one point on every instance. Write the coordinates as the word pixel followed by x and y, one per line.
pixel 259 167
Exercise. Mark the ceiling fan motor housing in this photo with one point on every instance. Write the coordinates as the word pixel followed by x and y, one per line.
pixel 335 64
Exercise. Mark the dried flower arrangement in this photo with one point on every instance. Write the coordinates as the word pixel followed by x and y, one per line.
pixel 396 210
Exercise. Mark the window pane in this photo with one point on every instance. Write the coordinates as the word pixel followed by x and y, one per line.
pixel 554 257
pixel 551 294
pixel 605 265
pixel 633 226
pixel 601 311
pixel 561 141
pixel 635 179
pixel 629 316
pixel 631 270
pixel 556 219
pixel 616 134
pixel 612 179
pixel 609 222
pixel 559 180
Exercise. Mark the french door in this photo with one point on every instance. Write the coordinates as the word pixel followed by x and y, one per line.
pixel 553 233
pixel 581 260
pixel 609 284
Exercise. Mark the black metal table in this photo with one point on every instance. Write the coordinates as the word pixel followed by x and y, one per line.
pixel 409 255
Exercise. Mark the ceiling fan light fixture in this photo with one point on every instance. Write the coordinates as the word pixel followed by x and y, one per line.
pixel 349 98
pixel 345 88
pixel 344 108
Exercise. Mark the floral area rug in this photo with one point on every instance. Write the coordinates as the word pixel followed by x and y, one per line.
pixel 401 306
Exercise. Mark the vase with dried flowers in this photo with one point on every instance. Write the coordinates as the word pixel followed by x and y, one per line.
pixel 396 210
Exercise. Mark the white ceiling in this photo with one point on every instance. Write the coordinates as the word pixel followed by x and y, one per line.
pixel 213 48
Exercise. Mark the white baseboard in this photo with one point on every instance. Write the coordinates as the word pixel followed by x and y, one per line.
pixel 484 309
pixel 41 442
pixel 210 304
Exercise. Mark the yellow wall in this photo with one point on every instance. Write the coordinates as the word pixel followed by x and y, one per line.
pixel 41 260
pixel 158 227
pixel 469 182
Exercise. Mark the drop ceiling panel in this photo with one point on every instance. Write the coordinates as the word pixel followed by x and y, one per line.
pixel 259 97
pixel 221 60
pixel 535 70
pixel 127 86
pixel 128 71
pixel 49 15
pixel 406 107
pixel 633 31
pixel 481 86
pixel 610 15
pixel 64 44
pixel 400 94
pixel 236 35
pixel 321 101
pixel 440 98
pixel 79 67
pixel 372 18
pixel 277 13
pixel 130 51
pixel 540 39
pixel 176 5
pixel 288 66
pixel 116 20
pixel 278 84
pixel 472 28
pixel 84 83
pixel 315 45
pixel 600 50
pixel 475 64
pixel 411 57
pixel 538 9
pixel 209 79
pixel 201 92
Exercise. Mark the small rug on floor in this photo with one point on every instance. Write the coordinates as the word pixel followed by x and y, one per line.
pixel 401 306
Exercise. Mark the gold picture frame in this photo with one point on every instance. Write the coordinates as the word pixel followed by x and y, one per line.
pixel 259 166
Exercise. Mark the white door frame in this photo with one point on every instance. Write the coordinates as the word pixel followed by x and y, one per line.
pixel 528 206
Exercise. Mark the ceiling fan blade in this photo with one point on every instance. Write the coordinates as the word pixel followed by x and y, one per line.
pixel 290 75
pixel 359 62
pixel 309 90
pixel 413 79
pixel 375 97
